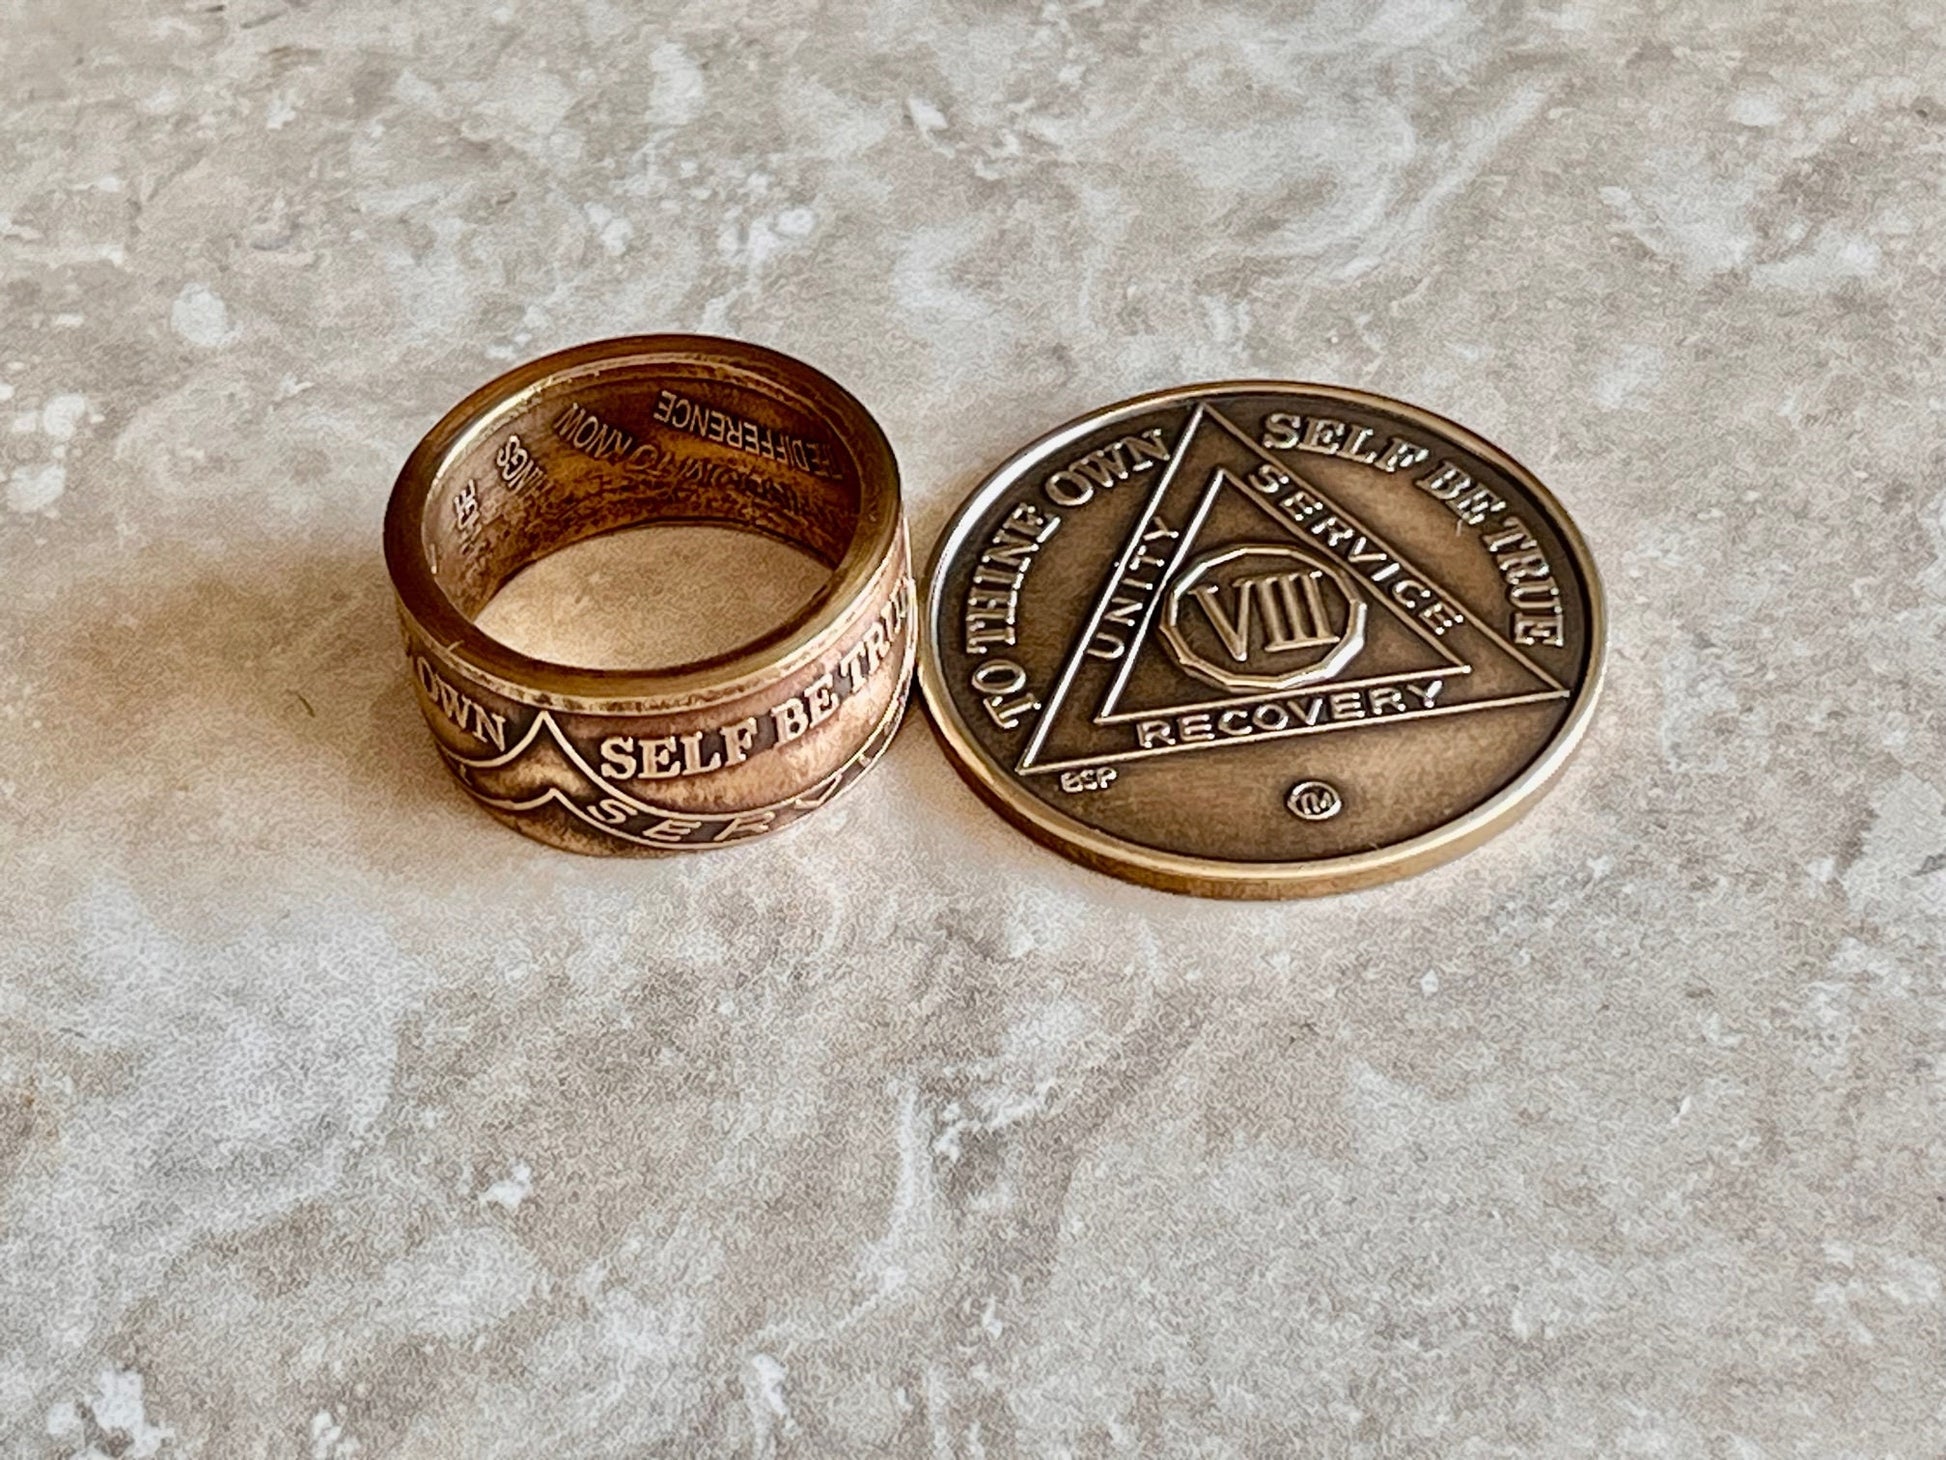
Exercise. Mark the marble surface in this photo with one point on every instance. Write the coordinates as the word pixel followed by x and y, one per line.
pixel 336 1121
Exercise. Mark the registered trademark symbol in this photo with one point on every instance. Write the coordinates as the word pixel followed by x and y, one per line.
pixel 1314 801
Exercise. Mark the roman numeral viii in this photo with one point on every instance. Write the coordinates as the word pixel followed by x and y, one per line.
pixel 1286 609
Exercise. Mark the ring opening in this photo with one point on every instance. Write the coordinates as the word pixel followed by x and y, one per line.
pixel 653 596
pixel 642 442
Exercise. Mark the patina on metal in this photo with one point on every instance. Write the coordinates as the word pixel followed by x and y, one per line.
pixel 619 434
pixel 1261 639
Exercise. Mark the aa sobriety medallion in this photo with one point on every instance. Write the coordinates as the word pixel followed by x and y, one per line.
pixel 1261 639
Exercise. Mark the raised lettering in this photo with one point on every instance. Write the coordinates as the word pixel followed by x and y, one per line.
pixel 737 740
pixel 1282 431
pixel 693 763
pixel 819 701
pixel 1402 455
pixel 745 824
pixel 672 830
pixel 618 757
pixel 791 719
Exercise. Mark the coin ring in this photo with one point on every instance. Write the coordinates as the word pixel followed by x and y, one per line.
pixel 1114 807
pixel 623 433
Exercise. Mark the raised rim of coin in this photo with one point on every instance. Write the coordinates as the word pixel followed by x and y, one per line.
pixel 1213 877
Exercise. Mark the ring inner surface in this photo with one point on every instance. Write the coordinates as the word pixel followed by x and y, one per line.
pixel 634 444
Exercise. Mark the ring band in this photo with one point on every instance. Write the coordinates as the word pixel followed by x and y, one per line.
pixel 621 433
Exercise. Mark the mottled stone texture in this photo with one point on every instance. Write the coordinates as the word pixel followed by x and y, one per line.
pixel 336 1120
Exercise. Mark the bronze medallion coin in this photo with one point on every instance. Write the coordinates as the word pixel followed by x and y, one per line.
pixel 1260 639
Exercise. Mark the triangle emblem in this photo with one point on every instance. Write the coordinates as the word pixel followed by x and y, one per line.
pixel 1249 605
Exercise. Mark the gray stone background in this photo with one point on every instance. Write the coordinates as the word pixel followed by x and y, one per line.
pixel 336 1121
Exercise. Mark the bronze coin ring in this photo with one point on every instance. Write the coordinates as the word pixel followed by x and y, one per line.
pixel 624 433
